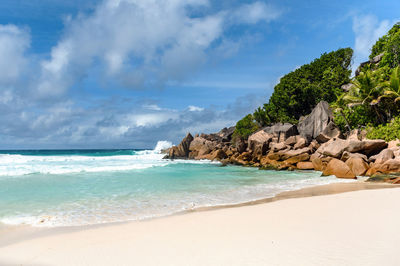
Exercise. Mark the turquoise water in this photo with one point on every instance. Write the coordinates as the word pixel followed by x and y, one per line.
pixel 67 188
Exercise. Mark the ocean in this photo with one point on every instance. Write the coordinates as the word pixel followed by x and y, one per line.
pixel 81 187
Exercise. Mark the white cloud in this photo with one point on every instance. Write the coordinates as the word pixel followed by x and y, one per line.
pixel 153 107
pixel 367 29
pixel 254 13
pixel 143 42
pixel 14 42
pixel 136 42
pixel 193 108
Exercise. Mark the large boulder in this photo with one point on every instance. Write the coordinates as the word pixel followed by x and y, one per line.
pixel 286 154
pixel 357 165
pixel 376 59
pixel 278 146
pixel 367 147
pixel 298 158
pixel 291 140
pixel 216 155
pixel 316 123
pixel 259 141
pixel 331 131
pixel 226 133
pixel 383 156
pixel 390 166
pixel 197 143
pixel 305 166
pixel 347 155
pixel 300 143
pixel 339 169
pixel 240 145
pixel 333 148
pixel 318 164
pixel 182 150
pixel 281 131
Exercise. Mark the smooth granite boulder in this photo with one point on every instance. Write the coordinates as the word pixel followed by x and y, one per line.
pixel 347 155
pixel 390 166
pixel 281 131
pixel 333 148
pixel 357 165
pixel 300 143
pixel 291 140
pixel 383 156
pixel 316 124
pixel 339 169
pixel 331 131
pixel 376 59
pixel 367 147
pixel 305 166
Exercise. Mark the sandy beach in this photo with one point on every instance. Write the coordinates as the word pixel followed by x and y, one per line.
pixel 351 228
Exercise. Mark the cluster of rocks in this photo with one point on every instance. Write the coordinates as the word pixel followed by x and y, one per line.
pixel 316 143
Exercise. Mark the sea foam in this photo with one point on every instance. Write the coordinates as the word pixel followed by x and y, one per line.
pixel 18 165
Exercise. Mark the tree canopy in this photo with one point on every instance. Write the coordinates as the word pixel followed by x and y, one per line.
pixel 299 91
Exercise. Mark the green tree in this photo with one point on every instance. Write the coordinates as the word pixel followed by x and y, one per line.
pixel 366 90
pixel 245 127
pixel 389 45
pixel 298 92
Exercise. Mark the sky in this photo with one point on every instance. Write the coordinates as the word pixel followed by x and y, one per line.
pixel 127 73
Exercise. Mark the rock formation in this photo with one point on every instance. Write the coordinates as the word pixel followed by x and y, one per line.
pixel 314 144
pixel 319 124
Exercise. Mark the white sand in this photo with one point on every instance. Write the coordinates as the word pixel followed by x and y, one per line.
pixel 354 228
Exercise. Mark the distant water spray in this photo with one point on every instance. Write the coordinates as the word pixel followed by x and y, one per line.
pixel 162 145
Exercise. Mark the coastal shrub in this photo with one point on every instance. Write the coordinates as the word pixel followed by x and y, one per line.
pixel 388 132
pixel 357 117
pixel 245 127
pixel 299 92
pixel 388 44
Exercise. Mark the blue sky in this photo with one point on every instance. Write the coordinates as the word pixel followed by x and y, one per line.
pixel 127 73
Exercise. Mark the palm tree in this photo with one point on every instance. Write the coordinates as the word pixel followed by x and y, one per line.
pixel 391 90
pixel 338 107
pixel 366 90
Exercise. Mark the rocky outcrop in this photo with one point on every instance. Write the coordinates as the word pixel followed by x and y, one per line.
pixel 347 87
pixel 305 166
pixel 259 142
pixel 382 157
pixel 182 150
pixel 339 169
pixel 357 165
pixel 319 124
pixel 281 131
pixel 376 59
pixel 315 144
pixel 336 148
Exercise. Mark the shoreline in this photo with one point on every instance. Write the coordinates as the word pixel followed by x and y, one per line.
pixel 351 228
pixel 19 233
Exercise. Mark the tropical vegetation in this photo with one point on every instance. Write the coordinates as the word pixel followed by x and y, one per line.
pixel 370 100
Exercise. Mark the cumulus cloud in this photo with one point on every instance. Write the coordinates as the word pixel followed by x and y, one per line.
pixel 138 43
pixel 14 42
pixel 367 30
pixel 193 108
pixel 143 42
pixel 255 12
